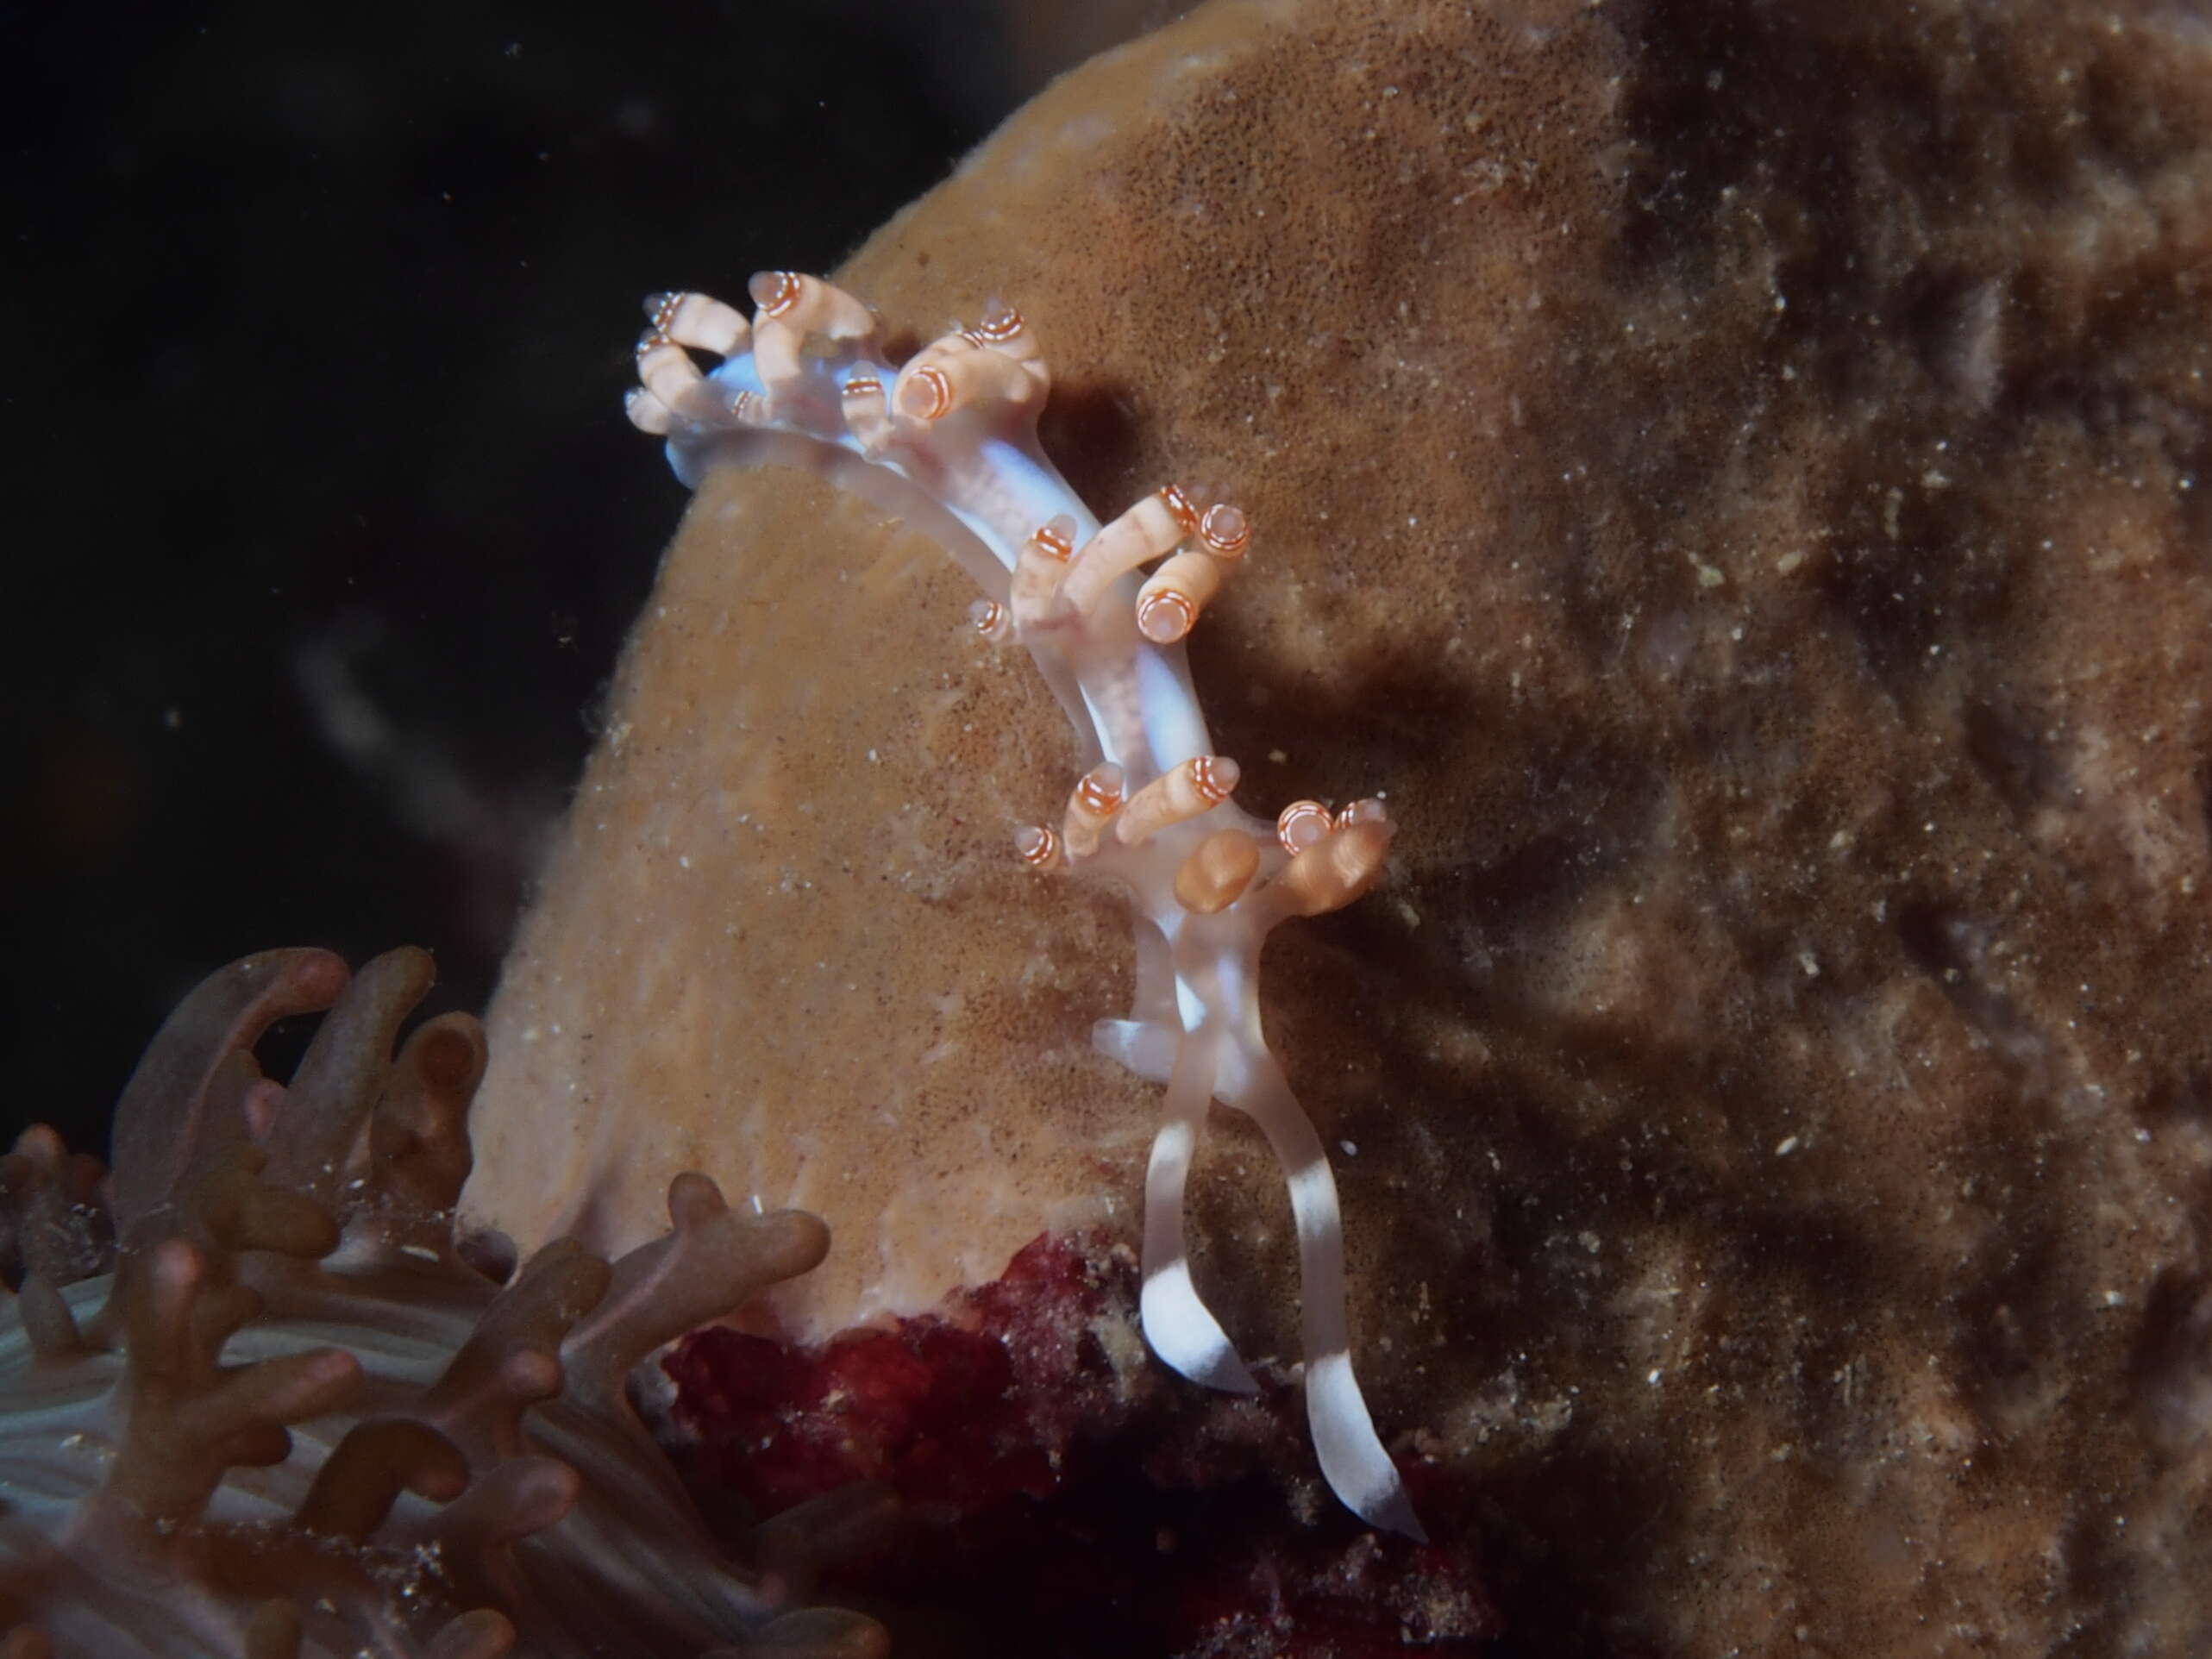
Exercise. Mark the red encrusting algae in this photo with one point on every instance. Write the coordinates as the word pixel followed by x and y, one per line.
pixel 1060 1487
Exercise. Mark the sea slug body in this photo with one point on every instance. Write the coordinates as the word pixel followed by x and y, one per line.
pixel 949 442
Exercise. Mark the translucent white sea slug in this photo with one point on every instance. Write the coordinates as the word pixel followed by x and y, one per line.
pixel 949 443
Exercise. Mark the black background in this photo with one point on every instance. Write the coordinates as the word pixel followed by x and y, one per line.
pixel 322 523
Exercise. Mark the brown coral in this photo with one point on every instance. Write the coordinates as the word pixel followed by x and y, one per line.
pixel 293 1420
pixel 1734 475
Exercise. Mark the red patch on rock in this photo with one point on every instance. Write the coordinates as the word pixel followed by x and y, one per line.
pixel 1062 1487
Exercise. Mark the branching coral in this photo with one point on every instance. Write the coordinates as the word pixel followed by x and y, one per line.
pixel 294 1420
pixel 950 441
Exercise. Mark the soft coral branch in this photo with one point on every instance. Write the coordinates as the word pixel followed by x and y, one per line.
pixel 295 1421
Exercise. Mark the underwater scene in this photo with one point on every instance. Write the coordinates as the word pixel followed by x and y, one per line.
pixel 1314 828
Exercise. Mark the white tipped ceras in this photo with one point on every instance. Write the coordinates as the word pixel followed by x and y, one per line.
pixel 949 442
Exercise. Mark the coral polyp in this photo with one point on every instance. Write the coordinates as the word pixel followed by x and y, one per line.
pixel 949 442
pixel 285 1416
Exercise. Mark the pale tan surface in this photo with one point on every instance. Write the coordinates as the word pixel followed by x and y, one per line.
pixel 1738 483
pixel 785 921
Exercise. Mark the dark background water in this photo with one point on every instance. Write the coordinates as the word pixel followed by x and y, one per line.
pixel 323 524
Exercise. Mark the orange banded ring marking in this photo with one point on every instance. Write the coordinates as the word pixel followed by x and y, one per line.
pixel 933 380
pixel 1165 617
pixel 1301 824
pixel 1213 778
pixel 1178 505
pixel 1037 846
pixel 774 292
pixel 1225 531
pixel 1098 796
pixel 996 327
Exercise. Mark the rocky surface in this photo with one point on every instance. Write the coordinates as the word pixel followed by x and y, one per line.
pixel 1733 475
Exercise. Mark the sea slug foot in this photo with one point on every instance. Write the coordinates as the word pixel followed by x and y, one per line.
pixel 1146 1048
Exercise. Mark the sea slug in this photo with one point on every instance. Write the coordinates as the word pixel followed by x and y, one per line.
pixel 949 442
